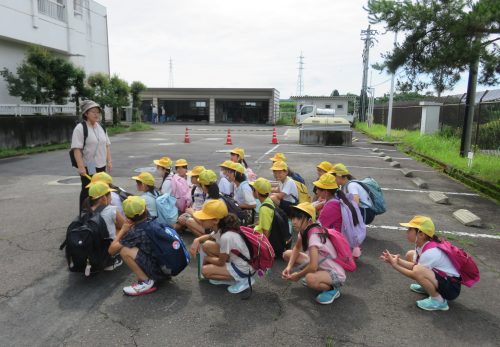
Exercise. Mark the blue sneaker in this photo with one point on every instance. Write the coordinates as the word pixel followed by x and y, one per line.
pixel 240 286
pixel 221 282
pixel 417 288
pixel 430 304
pixel 303 281
pixel 327 296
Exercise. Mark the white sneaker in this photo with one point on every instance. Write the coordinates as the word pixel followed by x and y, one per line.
pixel 140 288
pixel 118 262
pixel 240 286
pixel 222 282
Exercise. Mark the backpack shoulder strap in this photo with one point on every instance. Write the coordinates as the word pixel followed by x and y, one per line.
pixel 192 192
pixel 85 132
pixel 268 205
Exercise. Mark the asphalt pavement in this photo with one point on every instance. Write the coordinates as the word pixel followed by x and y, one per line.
pixel 42 304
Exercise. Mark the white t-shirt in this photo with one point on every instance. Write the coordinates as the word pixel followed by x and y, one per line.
pixel 435 258
pixel 95 145
pixel 117 202
pixel 290 189
pixel 356 189
pixel 243 194
pixel 225 187
pixel 166 186
pixel 199 198
pixel 109 216
pixel 231 240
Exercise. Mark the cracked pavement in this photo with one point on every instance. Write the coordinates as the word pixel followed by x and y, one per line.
pixel 42 304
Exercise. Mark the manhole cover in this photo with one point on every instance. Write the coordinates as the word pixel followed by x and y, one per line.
pixel 67 181
pixel 146 169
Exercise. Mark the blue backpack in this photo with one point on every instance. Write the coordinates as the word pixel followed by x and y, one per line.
pixel 376 196
pixel 166 209
pixel 297 177
pixel 168 248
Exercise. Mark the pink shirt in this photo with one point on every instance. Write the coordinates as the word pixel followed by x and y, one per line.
pixel 330 216
pixel 324 250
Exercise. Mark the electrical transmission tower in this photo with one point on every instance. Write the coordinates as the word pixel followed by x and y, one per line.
pixel 300 77
pixel 368 37
pixel 171 75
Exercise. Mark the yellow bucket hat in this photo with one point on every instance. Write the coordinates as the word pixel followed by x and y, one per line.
pixel 181 162
pixel 146 178
pixel 227 164
pixel 261 185
pixel 134 206
pixel 238 168
pixel 325 166
pixel 240 152
pixel 212 209
pixel 279 165
pixel 165 162
pixel 422 223
pixel 99 189
pixel 278 157
pixel 326 181
pixel 196 171
pixel 207 177
pixel 100 177
pixel 339 169
pixel 308 208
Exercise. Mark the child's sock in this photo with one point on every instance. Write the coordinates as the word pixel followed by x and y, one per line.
pixel 438 298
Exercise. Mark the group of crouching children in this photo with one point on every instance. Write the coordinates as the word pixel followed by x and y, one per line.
pixel 319 239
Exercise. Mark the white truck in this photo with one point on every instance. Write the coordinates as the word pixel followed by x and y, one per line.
pixel 307 111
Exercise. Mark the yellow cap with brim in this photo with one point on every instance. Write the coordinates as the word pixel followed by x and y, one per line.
pixel 278 157
pixel 165 162
pixel 326 181
pixel 227 164
pixel 308 208
pixel 134 206
pixel 261 185
pixel 146 178
pixel 238 168
pixel 196 171
pixel 212 209
pixel 181 162
pixel 240 152
pixel 339 169
pixel 325 166
pixel 99 189
pixel 422 223
pixel 279 166
pixel 100 177
pixel 207 177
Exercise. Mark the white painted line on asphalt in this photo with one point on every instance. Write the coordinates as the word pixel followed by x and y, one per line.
pixel 457 233
pixel 267 153
pixel 167 144
pixel 343 155
pixel 213 139
pixel 386 168
pixel 428 191
pixel 286 132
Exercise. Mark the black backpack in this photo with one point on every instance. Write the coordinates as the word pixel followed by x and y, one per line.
pixel 87 242
pixel 85 135
pixel 244 215
pixel 279 235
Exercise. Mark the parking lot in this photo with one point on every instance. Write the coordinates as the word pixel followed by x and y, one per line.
pixel 42 304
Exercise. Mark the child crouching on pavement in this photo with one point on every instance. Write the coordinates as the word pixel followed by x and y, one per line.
pixel 432 270
pixel 136 248
pixel 317 268
pixel 221 265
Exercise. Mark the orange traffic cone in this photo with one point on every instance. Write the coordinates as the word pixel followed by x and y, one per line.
pixel 186 136
pixel 229 141
pixel 274 141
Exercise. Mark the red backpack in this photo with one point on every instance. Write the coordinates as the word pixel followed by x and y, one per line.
pixel 261 251
pixel 341 245
pixel 461 260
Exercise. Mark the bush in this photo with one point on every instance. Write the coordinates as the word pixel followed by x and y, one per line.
pixel 489 135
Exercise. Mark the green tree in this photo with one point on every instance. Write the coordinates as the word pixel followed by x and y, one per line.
pixel 335 93
pixel 136 88
pixel 119 96
pixel 81 91
pixel 41 78
pixel 443 38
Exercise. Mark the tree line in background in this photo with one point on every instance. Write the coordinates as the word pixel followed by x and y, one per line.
pixel 45 78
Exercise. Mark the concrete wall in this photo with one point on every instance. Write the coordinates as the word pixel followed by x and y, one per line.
pixel 30 131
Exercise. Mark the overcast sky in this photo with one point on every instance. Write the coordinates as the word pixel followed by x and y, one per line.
pixel 247 44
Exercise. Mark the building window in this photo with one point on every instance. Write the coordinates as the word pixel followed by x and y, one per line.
pixel 251 103
pixel 340 106
pixel 53 8
pixel 201 104
pixel 328 106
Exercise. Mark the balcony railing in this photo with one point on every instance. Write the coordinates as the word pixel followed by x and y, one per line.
pixel 52 8
pixel 26 110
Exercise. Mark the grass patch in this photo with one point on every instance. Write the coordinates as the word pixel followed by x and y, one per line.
pixel 442 148
pixel 140 127
pixel 121 128
pixel 284 121
pixel 4 153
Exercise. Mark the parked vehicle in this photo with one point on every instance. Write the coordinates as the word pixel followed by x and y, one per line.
pixel 307 111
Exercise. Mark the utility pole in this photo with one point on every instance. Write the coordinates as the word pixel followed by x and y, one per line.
pixel 465 143
pixel 300 78
pixel 171 74
pixel 367 36
pixel 391 96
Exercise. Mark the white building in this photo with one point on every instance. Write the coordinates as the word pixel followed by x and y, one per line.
pixel 74 28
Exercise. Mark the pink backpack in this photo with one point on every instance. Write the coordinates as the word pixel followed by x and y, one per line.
pixel 461 260
pixel 344 254
pixel 181 191
pixel 261 251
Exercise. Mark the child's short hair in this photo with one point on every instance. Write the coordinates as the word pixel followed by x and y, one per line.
pixel 229 223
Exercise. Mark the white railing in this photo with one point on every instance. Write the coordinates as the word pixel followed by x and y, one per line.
pixel 45 110
pixel 52 8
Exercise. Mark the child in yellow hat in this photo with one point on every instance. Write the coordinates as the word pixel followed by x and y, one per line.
pixel 181 189
pixel 314 254
pixel 238 156
pixel 221 264
pixel 431 268
pixel 164 171
pixel 243 193
pixel 225 186
pixel 286 194
pixel 145 183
